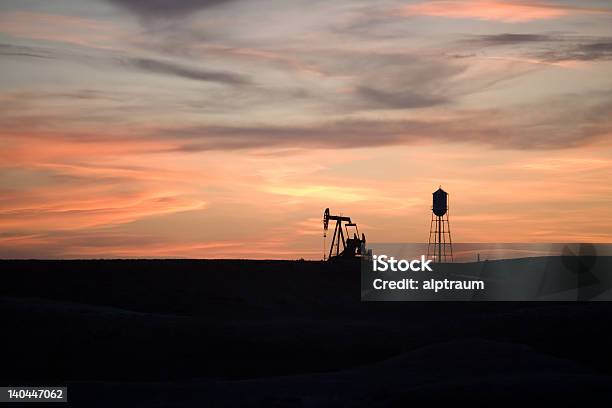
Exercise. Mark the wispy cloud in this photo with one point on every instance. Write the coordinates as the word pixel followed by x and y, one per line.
pixel 511 39
pixel 560 123
pixel 398 99
pixel 182 71
pixel 11 50
pixel 53 27
pixel 590 51
pixel 550 47
pixel 494 128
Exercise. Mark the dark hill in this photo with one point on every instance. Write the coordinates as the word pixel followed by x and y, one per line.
pixel 284 333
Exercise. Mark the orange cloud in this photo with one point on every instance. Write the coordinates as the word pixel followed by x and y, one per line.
pixel 495 10
pixel 71 212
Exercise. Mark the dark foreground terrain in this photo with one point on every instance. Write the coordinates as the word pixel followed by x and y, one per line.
pixel 278 333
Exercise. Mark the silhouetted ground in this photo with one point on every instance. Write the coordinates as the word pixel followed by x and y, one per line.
pixel 177 333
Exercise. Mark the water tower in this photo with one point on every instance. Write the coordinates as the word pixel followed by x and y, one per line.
pixel 440 246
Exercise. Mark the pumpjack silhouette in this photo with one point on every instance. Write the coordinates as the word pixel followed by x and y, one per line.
pixel 352 247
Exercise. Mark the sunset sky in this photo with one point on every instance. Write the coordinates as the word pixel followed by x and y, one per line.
pixel 224 128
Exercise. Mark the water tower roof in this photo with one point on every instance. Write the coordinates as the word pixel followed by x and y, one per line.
pixel 440 191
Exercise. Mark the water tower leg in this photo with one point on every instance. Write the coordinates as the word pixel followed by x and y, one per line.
pixel 439 240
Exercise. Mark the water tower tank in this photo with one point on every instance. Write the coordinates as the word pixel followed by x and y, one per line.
pixel 440 202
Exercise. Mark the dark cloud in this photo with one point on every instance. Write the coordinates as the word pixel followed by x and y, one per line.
pixel 556 123
pixel 372 80
pixel 551 48
pixel 595 51
pixel 397 100
pixel 377 80
pixel 174 69
pixel 489 128
pixel 341 134
pixel 166 8
pixel 10 50
pixel 145 64
pixel 83 94
pixel 510 39
pixel 394 80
